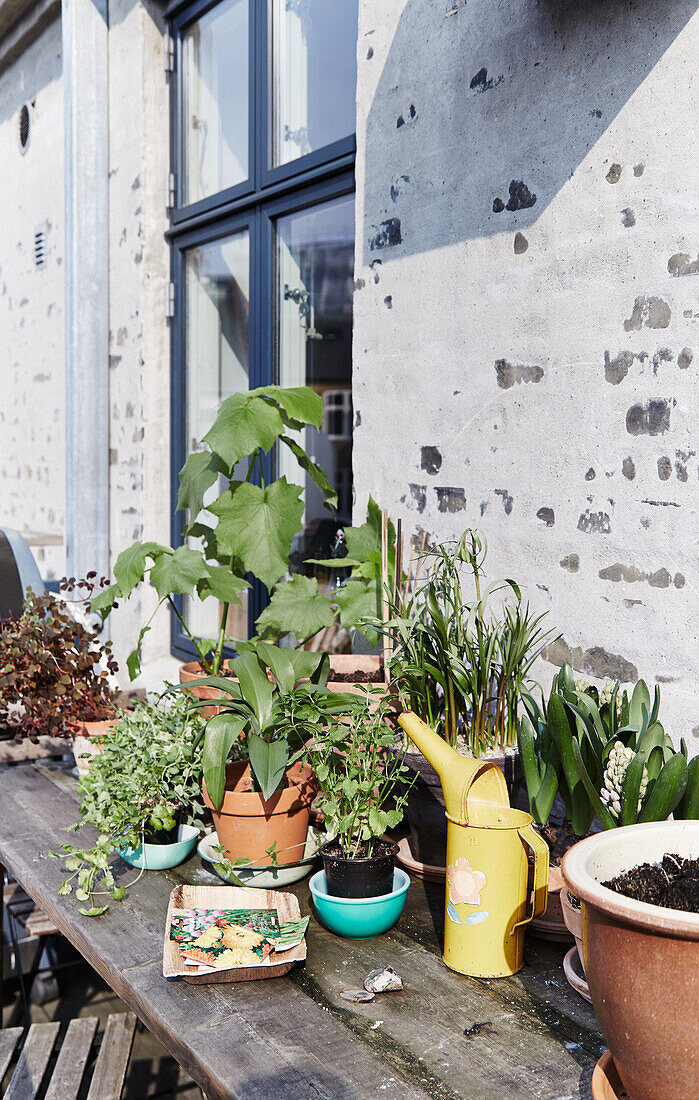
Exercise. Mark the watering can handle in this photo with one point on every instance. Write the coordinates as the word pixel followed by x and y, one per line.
pixel 541 872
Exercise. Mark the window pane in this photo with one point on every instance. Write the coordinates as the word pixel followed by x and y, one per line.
pixel 215 53
pixel 315 255
pixel 314 74
pixel 217 296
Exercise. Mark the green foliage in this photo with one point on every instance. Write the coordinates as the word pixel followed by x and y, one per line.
pixel 54 671
pixel 253 527
pixel 611 756
pixel 457 663
pixel 253 720
pixel 298 602
pixel 361 780
pixel 146 779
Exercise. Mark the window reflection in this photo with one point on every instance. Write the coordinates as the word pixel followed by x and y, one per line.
pixel 315 250
pixel 314 75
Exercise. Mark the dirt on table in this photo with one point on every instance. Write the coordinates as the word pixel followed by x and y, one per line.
pixel 673 884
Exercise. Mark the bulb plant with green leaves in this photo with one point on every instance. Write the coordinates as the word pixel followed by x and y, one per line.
pixel 252 722
pixel 146 780
pixel 608 755
pixel 361 781
pixel 247 529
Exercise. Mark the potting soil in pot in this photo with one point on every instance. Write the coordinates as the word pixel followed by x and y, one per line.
pixel 673 884
pixel 359 676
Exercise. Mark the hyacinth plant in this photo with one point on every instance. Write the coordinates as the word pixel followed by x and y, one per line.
pixel 608 755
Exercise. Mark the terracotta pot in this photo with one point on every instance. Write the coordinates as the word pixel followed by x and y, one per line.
pixel 247 825
pixel 189 674
pixel 552 926
pixel 641 961
pixel 573 920
pixel 87 739
pixel 357 662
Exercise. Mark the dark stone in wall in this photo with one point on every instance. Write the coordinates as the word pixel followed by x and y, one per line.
pixel 510 373
pixel 430 460
pixel 596 661
pixel 547 515
pixel 684 359
pixel 521 244
pixel 590 475
pixel 387 236
pixel 664 468
pixel 649 312
pixel 450 499
pixel 614 174
pixel 506 500
pixel 681 264
pixel 594 522
pixel 521 198
pixel 417 499
pixel 653 418
pixel 571 562
pixel 628 218
pixel 481 82
pixel 615 370
pixel 628 468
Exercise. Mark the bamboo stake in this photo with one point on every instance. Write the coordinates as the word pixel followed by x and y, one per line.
pixel 384 591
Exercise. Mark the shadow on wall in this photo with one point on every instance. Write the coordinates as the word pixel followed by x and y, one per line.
pixel 483 112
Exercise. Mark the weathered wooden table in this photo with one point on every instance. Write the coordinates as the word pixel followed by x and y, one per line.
pixel 444 1036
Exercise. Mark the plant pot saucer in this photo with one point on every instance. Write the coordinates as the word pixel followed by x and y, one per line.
pixel 606 1084
pixel 572 968
pixel 265 877
pixel 427 871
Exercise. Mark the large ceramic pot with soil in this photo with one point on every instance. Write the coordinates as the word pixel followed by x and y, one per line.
pixel 87 741
pixel 426 808
pixel 247 825
pixel 642 956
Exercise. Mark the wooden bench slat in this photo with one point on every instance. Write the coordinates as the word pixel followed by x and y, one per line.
pixel 33 1060
pixel 27 913
pixel 8 1041
pixel 70 1067
pixel 110 1071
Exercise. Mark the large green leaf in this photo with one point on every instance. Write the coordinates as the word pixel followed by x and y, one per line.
pixel 268 761
pixel 178 572
pixel 315 472
pixel 358 600
pixel 300 403
pixel 255 686
pixel 130 566
pixel 362 540
pixel 296 607
pixel 222 584
pixel 257 526
pixel 639 707
pixel 688 808
pixel 280 663
pixel 245 422
pixel 667 790
pixel 221 732
pixel 198 474
pixel 105 600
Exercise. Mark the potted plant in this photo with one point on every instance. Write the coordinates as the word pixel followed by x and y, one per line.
pixel 56 676
pixel 463 668
pixel 143 795
pixel 359 893
pixel 257 787
pixel 638 887
pixel 246 529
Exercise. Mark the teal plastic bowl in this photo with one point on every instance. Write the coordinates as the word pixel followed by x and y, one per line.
pixel 359 918
pixel 158 857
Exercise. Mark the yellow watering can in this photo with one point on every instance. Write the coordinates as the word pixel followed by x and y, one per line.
pixel 487 861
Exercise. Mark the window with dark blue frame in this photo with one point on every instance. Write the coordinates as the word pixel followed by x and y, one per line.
pixel 262 235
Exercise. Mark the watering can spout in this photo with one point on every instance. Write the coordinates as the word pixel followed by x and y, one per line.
pixel 456 772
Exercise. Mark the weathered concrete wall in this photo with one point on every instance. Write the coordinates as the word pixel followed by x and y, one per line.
pixel 32 404
pixel 526 309
pixel 139 335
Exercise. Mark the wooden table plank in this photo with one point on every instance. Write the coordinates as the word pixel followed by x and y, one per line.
pixel 444 1036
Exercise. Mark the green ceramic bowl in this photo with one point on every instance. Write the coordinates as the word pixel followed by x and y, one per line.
pixel 158 857
pixel 360 918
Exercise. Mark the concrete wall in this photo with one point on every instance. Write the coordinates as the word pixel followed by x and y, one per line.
pixel 138 329
pixel 32 403
pixel 526 309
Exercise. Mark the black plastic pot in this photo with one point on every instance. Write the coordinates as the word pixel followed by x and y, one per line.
pixel 161 836
pixel 359 878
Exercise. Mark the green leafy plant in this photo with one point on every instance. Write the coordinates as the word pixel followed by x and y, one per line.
pixel 610 755
pixel 146 780
pixel 459 664
pixel 54 671
pixel 361 781
pixel 247 529
pixel 252 722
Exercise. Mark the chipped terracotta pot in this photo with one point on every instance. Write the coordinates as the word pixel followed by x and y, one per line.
pixel 641 961
pixel 87 741
pixel 573 921
pixel 189 674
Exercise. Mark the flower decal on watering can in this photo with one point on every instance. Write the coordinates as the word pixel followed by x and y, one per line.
pixel 465 884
